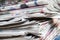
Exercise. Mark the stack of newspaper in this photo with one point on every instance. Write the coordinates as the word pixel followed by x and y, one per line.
pixel 32 22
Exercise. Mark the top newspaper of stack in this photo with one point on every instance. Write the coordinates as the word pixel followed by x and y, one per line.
pixel 40 6
pixel 18 6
